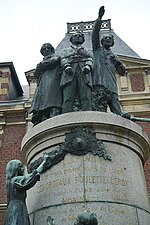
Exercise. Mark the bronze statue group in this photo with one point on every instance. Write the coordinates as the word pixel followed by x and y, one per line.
pixel 78 79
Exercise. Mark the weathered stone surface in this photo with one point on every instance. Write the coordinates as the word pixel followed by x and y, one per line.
pixel 114 190
pixel 107 213
pixel 144 217
pixel 52 132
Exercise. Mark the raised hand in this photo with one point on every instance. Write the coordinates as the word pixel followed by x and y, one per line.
pixel 101 12
pixel 41 166
pixel 69 70
pixel 45 156
pixel 86 69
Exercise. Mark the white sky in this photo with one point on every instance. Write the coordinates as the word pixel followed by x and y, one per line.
pixel 26 24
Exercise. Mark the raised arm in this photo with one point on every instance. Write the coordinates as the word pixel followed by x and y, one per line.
pixel 96 29
pixel 41 166
pixel 28 181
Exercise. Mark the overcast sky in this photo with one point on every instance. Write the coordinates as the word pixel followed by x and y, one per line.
pixel 26 24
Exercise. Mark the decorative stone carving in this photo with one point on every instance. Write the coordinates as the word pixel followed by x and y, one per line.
pixel 78 141
pixel 81 141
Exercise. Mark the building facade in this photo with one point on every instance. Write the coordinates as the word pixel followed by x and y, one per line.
pixel 12 123
pixel 15 100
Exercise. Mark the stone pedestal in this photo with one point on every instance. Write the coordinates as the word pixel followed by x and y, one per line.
pixel 114 190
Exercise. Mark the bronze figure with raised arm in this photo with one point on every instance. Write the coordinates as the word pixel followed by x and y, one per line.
pixel 106 64
pixel 17 185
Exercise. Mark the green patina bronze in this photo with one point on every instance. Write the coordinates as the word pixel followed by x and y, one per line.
pixel 86 218
pixel 47 101
pixel 17 184
pixel 139 119
pixel 76 80
pixel 105 66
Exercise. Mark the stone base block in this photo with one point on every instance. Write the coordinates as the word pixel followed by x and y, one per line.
pixel 115 190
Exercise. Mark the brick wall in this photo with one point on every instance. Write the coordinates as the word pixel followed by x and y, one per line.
pixel 147 174
pixel 137 82
pixel 146 128
pixel 10 149
pixel 2 214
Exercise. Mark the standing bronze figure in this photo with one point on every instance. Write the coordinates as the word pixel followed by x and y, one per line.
pixel 106 64
pixel 17 184
pixel 77 64
pixel 47 101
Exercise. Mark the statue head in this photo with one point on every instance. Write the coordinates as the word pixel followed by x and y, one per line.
pixel 107 40
pixel 14 168
pixel 47 49
pixel 77 38
pixel 87 218
pixel 50 221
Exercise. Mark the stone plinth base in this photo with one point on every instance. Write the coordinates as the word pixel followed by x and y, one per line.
pixel 115 190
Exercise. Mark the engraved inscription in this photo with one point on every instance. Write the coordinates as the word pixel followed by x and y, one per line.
pixel 79 179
